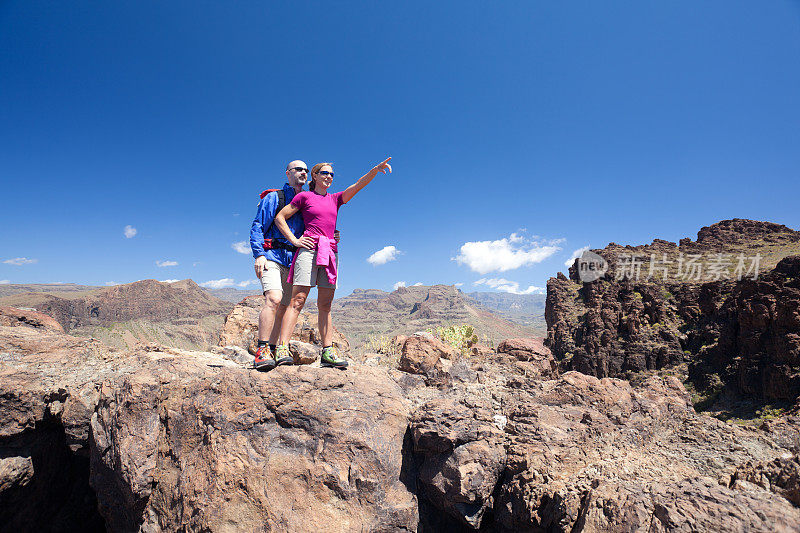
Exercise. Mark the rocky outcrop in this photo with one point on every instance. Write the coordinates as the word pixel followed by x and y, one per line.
pixel 10 316
pixel 781 475
pixel 226 449
pixel 754 343
pixel 742 333
pixel 534 355
pixel 163 439
pixel 598 455
pixel 47 395
pixel 241 327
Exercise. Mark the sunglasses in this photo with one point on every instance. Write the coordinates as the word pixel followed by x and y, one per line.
pixel 325 173
pixel 299 169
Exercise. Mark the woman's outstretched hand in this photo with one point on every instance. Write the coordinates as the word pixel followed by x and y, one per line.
pixel 384 167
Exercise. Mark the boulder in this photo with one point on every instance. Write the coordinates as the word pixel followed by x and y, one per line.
pixel 421 354
pixel 531 351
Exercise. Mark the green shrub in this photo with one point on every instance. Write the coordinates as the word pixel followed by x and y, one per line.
pixel 382 344
pixel 461 337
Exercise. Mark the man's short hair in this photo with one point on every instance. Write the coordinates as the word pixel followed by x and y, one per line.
pixel 289 164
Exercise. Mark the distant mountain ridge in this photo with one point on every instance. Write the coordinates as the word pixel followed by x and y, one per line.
pixel 181 314
pixel 370 312
pixel 526 309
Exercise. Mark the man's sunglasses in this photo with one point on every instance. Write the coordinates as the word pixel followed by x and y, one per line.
pixel 299 169
pixel 325 173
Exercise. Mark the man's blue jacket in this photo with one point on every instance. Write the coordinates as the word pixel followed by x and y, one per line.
pixel 264 228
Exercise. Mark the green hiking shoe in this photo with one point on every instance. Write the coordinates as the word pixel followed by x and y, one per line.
pixel 283 356
pixel 330 357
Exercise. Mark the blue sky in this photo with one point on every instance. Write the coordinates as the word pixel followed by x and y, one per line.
pixel 528 129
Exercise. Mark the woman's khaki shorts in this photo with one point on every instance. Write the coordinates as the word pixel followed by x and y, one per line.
pixel 308 274
pixel 274 279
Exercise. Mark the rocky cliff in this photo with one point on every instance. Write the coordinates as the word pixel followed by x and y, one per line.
pixel 726 305
pixel 160 439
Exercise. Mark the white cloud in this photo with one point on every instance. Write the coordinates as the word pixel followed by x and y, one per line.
pixel 20 261
pixel 505 254
pixel 163 264
pixel 459 284
pixel 169 280
pixel 576 254
pixel 417 284
pixel 130 232
pixel 4 282
pixel 383 256
pixel 243 247
pixel 218 283
pixel 398 285
pixel 504 285
pixel 111 283
pixel 247 283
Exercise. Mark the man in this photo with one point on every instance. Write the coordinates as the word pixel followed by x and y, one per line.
pixel 272 265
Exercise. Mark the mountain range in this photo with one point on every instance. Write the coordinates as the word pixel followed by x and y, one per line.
pixel 185 315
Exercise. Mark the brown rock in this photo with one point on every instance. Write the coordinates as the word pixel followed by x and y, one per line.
pixel 532 351
pixel 10 316
pixel 744 334
pixel 781 476
pixel 598 455
pixel 225 448
pixel 421 353
pixel 303 352
pixel 462 455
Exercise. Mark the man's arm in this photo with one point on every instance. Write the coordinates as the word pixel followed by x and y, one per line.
pixel 263 219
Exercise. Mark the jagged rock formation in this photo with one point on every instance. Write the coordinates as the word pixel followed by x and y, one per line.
pixel 164 439
pixel 741 333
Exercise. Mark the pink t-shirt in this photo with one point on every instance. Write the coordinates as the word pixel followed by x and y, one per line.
pixel 319 212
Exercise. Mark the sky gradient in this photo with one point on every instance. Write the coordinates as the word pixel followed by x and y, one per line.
pixel 136 136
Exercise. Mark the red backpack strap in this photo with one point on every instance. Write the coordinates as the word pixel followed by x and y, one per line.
pixel 263 194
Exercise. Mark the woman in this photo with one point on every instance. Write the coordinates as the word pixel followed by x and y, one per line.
pixel 316 261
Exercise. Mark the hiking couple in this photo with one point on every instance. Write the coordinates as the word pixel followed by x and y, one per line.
pixel 294 242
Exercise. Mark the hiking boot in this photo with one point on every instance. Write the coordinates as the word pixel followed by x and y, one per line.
pixel 330 357
pixel 283 356
pixel 264 361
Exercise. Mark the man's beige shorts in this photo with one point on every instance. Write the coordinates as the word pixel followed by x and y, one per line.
pixel 308 274
pixel 274 279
